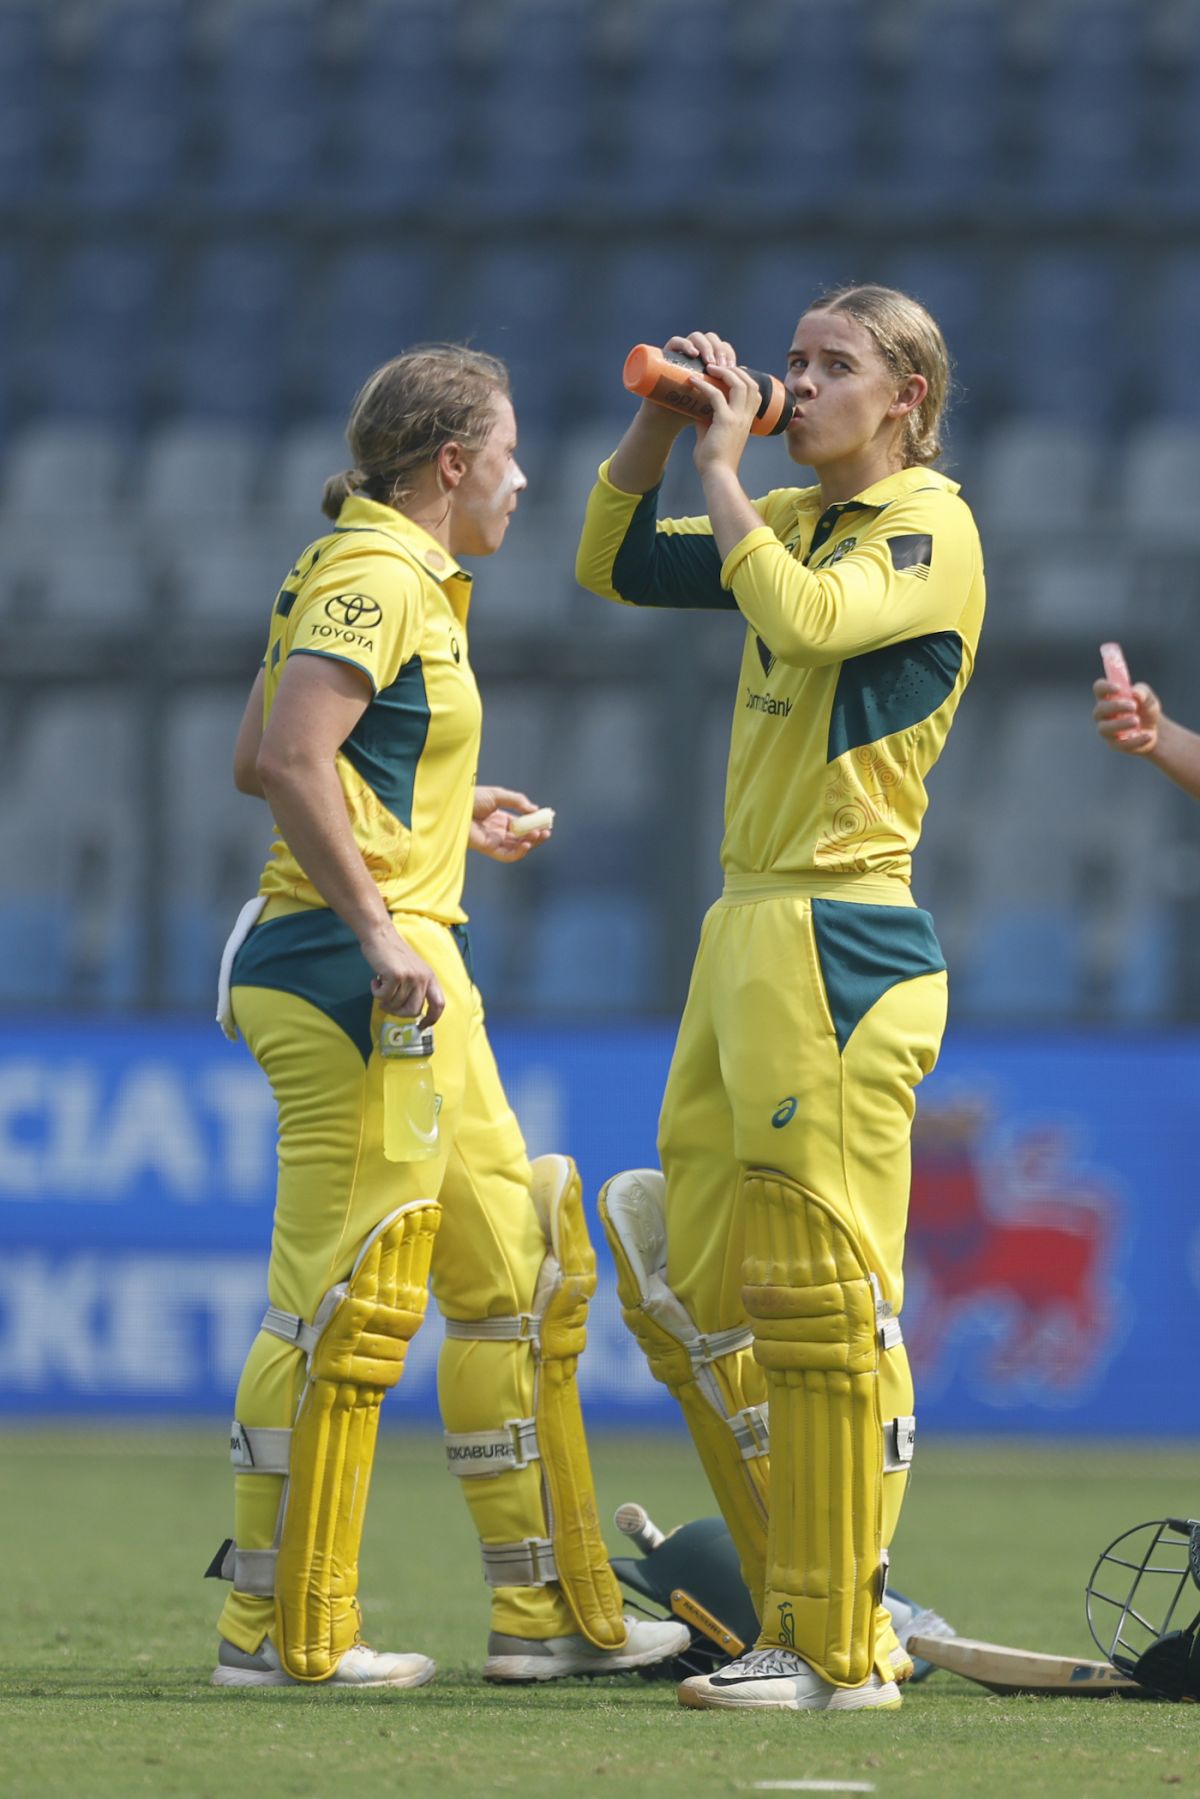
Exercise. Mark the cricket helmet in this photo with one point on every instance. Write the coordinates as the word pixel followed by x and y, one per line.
pixel 693 1574
pixel 1143 1605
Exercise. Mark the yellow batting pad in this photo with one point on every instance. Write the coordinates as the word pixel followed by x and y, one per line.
pixel 567 1283
pixel 812 1305
pixel 363 1326
pixel 720 1388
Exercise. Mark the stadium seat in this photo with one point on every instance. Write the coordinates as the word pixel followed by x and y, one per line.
pixel 1076 592
pixel 638 294
pixel 666 125
pixel 51 463
pixel 131 150
pixel 1030 475
pixel 229 575
pixel 91 585
pixel 194 469
pixel 215 847
pixel 1167 371
pixel 87 358
pixel 532 121
pixel 297 465
pixel 387 157
pixel 373 302
pixel 942 155
pixel 227 360
pixel 1158 464
pixel 1061 322
pixel 515 300
pixel 798 138
pixel 1087 124
pixel 76 868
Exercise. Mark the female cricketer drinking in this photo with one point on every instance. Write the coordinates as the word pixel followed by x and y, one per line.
pixel 766 1259
pixel 363 733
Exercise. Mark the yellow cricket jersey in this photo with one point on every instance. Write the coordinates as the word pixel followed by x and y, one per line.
pixel 381 594
pixel 863 624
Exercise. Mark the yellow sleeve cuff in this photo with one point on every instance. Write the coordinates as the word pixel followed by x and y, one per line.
pixel 603 481
pixel 753 540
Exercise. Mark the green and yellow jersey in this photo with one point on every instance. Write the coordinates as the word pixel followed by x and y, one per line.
pixel 382 595
pixel 863 621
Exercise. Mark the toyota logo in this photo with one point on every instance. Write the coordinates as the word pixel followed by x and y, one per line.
pixel 355 610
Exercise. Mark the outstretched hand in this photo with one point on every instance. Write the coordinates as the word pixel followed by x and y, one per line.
pixel 491 824
pixel 1127 720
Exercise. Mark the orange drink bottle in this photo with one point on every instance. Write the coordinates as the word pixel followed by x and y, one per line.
pixel 662 376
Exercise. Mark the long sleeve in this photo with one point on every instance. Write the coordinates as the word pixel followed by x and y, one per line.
pixel 627 553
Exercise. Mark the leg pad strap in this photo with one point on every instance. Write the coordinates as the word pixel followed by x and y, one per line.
pixel 478 1453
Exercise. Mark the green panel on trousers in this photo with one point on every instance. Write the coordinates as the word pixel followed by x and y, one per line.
pixel 315 956
pixel 864 950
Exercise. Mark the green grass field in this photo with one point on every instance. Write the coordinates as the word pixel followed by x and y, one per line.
pixel 107 1641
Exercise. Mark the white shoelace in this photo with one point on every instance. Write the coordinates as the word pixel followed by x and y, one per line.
pixel 767 1663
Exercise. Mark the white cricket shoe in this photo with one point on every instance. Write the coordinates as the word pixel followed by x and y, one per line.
pixel 779 1680
pixel 359 1667
pixel 911 1620
pixel 553 1658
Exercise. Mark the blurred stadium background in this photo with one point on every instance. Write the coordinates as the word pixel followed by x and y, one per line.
pixel 217 215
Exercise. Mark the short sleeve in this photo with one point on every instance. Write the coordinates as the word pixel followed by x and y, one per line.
pixel 366 611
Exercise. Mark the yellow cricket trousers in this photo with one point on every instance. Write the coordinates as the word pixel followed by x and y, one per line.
pixel 809 1023
pixel 302 1000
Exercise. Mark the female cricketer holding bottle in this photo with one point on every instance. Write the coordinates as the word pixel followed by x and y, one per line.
pixel 765 1262
pixel 363 734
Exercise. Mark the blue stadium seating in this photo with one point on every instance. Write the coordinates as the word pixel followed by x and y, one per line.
pixel 1062 329
pixel 1167 349
pixel 1086 132
pixel 943 115
pixel 533 117
pixel 394 113
pixel 667 118
pixel 227 361
pixel 88 358
pixel 797 143
pixel 370 302
pixel 642 294
pixel 139 44
pixel 515 302
pixel 131 150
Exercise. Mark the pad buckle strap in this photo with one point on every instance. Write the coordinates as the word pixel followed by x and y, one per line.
pixel 899 1438
pixel 250 1570
pixel 258 1449
pixel 524 1328
pixel 751 1429
pixel 705 1350
pixel 473 1453
pixel 887 1325
pixel 290 1328
pixel 527 1564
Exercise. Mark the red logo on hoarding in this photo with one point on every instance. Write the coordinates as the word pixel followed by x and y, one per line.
pixel 1009 1259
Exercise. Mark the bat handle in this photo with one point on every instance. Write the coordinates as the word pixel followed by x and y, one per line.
pixel 632 1521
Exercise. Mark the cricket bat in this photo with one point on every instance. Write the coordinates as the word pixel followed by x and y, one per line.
pixel 1014 1671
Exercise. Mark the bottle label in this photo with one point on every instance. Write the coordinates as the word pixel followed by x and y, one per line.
pixel 404 1037
pixel 678 398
